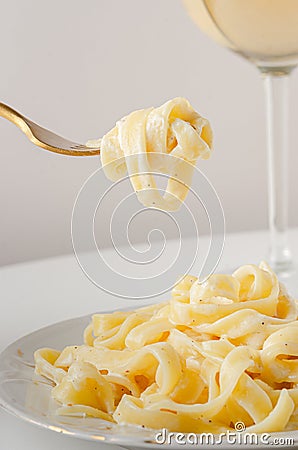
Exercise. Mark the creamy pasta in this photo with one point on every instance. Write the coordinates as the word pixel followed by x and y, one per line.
pixel 138 142
pixel 216 353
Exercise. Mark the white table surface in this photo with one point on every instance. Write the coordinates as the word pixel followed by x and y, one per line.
pixel 39 293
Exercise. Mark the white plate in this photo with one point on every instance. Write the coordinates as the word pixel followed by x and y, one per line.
pixel 27 396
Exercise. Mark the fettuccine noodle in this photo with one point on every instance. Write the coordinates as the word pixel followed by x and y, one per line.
pixel 139 141
pixel 215 354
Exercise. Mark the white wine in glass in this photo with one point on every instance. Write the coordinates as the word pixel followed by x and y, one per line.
pixel 266 33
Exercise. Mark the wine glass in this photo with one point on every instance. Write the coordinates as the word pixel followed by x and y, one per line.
pixel 266 33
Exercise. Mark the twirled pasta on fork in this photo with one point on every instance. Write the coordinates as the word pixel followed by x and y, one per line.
pixel 167 140
pixel 216 353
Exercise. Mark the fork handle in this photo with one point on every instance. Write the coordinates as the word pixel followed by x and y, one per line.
pixel 25 125
pixel 15 117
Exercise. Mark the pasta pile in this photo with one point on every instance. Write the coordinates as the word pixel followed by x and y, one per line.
pixel 216 353
pixel 139 143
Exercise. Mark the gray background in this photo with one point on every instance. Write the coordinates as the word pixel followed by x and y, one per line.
pixel 76 67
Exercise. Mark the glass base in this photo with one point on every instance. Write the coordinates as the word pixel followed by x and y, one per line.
pixel 283 269
pixel 290 279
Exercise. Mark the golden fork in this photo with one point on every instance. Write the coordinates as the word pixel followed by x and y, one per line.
pixel 44 138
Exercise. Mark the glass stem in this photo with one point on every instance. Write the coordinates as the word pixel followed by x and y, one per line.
pixel 276 89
